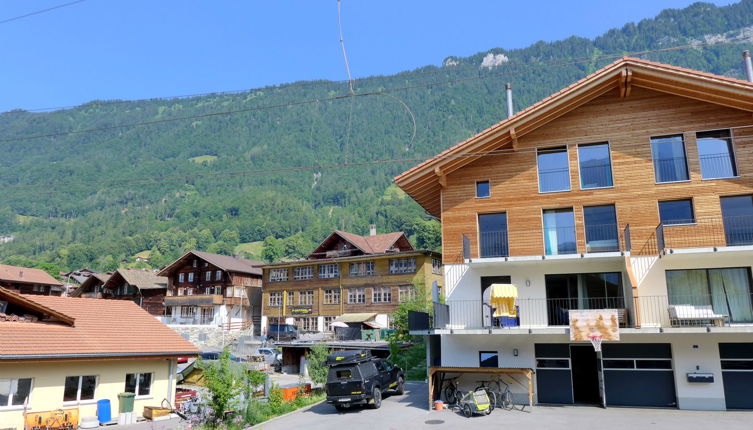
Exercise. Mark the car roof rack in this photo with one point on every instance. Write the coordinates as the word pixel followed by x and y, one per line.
pixel 349 357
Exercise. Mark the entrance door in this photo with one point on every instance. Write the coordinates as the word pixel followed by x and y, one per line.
pixel 737 374
pixel 585 374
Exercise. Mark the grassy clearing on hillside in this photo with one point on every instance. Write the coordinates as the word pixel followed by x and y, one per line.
pixel 203 159
pixel 251 249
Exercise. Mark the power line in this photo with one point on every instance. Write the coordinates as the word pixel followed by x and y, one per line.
pixel 15 18
pixel 541 66
pixel 442 71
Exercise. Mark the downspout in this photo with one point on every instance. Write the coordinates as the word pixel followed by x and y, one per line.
pixel 748 65
pixel 509 100
pixel 170 391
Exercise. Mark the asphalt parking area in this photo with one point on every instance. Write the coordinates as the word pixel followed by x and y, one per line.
pixel 410 412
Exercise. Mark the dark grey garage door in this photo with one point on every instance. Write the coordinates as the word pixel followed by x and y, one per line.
pixel 638 374
pixel 553 380
pixel 737 374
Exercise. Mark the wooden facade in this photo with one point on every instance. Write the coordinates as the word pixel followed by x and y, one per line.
pixel 140 286
pixel 626 120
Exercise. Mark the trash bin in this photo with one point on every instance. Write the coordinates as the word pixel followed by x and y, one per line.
pixel 125 402
pixel 104 413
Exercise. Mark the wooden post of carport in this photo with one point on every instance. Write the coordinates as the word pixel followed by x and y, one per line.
pixel 528 373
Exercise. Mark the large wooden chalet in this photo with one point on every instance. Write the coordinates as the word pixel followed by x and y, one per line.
pixel 26 280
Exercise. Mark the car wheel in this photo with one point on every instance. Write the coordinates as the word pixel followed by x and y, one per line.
pixel 467 410
pixel 400 389
pixel 376 398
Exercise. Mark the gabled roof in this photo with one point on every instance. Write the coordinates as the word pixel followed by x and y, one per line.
pixel 136 334
pixel 377 244
pixel 143 279
pixel 28 305
pixel 94 279
pixel 26 275
pixel 423 182
pixel 224 262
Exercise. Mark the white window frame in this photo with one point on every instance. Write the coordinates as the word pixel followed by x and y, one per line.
pixel 306 298
pixel 436 266
pixel 303 273
pixel 194 263
pixel 354 294
pixel 181 277
pixel 13 382
pixel 406 293
pixel 218 275
pixel 329 271
pixel 151 382
pixel 275 299
pixel 362 268
pixel 208 276
pixel 381 295
pixel 328 320
pixel 190 276
pixel 400 266
pixel 278 275
pixel 78 400
pixel 189 291
pixel 187 311
pixel 332 296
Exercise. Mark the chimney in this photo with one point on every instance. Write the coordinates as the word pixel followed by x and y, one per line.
pixel 21 274
pixel 748 65
pixel 509 99
pixel 372 229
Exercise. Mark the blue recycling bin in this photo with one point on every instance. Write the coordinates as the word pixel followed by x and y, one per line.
pixel 104 412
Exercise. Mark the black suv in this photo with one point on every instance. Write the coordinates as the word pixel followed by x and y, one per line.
pixel 358 378
pixel 282 332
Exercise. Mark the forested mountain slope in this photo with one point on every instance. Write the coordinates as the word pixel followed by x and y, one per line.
pixel 96 198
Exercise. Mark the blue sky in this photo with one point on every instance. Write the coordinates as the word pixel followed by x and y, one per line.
pixel 130 49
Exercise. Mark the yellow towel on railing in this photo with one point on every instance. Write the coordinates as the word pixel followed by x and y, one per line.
pixel 503 300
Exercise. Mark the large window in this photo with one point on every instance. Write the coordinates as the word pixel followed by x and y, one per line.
pixel 554 169
pixel 676 212
pixel 79 388
pixel 332 297
pixel 364 268
pixel 306 324
pixel 488 359
pixel 559 231
pixel 582 291
pixel 303 272
pixel 595 166
pixel 329 271
pixel 381 295
pixel 406 293
pixel 181 277
pixel 670 164
pixel 275 298
pixel 278 275
pixel 738 220
pixel 356 296
pixel 727 291
pixel 492 230
pixel 716 154
pixel 306 298
pixel 14 392
pixel 187 311
pixel 402 265
pixel 482 189
pixel 139 384
pixel 601 229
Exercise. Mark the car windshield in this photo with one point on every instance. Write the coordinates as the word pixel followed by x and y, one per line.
pixel 342 372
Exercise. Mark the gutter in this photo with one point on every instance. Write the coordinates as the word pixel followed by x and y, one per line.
pixel 96 355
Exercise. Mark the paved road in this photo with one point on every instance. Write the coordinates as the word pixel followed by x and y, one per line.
pixel 410 412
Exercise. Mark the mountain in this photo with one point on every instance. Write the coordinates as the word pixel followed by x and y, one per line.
pixel 96 199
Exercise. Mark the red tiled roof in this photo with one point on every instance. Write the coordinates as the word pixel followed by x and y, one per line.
pixel 26 275
pixel 102 328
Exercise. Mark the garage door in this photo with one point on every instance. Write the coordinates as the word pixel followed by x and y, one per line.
pixel 638 374
pixel 553 380
pixel 737 374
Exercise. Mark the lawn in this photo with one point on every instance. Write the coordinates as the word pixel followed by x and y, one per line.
pixel 250 249
pixel 203 159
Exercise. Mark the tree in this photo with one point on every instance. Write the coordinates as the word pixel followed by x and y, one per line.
pixel 224 383
pixel 272 250
pixel 411 357
pixel 317 357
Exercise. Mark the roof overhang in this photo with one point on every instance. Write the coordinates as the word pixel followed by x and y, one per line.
pixel 425 181
pixel 21 301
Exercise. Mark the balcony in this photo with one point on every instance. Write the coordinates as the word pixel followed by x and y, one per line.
pixel 706 233
pixel 194 300
pixel 644 312
pixel 546 242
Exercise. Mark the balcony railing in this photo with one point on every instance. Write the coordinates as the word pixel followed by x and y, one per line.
pixel 639 312
pixel 546 241
pixel 706 233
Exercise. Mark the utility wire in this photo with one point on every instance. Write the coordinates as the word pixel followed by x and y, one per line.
pixel 540 66
pixel 16 18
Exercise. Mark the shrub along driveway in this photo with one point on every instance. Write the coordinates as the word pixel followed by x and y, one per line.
pixel 410 412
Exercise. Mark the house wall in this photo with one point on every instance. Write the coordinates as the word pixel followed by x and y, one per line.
pixel 49 382
pixel 627 124
pixel 690 353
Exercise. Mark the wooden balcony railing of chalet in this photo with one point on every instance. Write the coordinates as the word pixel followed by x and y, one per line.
pixel 546 241
pixel 705 233
pixel 633 312
pixel 194 300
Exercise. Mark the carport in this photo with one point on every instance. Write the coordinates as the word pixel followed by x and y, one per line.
pixel 513 374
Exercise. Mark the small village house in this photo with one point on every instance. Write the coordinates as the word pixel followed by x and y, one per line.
pixel 213 290
pixel 142 286
pixel 29 281
pixel 56 353
pixel 352 279
pixel 627 194
pixel 92 287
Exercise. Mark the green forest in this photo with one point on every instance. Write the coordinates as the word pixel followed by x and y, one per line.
pixel 263 180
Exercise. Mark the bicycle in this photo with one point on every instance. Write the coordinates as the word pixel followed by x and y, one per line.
pixel 502 397
pixel 451 393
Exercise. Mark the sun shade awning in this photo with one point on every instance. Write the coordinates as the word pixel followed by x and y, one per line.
pixel 355 318
pixel 503 300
